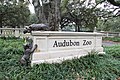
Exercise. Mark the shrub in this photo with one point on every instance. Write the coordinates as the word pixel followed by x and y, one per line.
pixel 114 39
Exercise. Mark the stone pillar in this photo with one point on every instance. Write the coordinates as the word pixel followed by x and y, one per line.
pixel 107 34
pixel 95 30
pixel 0 31
pixel 17 32
pixel 118 34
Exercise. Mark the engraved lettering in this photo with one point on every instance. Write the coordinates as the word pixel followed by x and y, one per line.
pixel 66 43
pixel 55 44
pixel 85 42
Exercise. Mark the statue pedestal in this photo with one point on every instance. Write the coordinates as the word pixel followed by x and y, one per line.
pixel 54 46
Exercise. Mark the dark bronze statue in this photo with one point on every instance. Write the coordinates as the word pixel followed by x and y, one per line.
pixel 36 27
pixel 28 50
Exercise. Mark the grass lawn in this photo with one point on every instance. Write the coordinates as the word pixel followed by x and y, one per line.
pixel 90 67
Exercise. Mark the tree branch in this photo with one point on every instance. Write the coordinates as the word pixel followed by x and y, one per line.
pixel 114 3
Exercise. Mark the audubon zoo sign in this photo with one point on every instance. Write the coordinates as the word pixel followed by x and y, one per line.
pixel 59 46
pixel 66 43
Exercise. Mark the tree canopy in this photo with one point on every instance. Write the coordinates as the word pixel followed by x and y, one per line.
pixel 76 12
pixel 13 13
pixel 83 15
pixel 59 13
pixel 88 14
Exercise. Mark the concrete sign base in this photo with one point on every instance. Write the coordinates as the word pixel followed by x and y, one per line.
pixel 54 46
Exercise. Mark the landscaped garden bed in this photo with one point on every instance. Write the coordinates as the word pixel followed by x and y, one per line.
pixel 90 67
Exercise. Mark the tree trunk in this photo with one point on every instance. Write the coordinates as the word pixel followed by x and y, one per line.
pixel 1 24
pixel 48 13
pixel 38 10
pixel 78 25
pixel 114 2
pixel 78 28
pixel 0 20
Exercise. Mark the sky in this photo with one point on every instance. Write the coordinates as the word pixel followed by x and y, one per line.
pixel 31 8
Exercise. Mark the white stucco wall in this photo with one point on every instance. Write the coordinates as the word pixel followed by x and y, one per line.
pixel 56 46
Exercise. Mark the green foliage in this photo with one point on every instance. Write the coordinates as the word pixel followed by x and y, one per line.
pixel 113 51
pixel 84 16
pixel 88 16
pixel 13 13
pixel 112 24
pixel 63 6
pixel 33 19
pixel 90 67
pixel 109 23
pixel 114 39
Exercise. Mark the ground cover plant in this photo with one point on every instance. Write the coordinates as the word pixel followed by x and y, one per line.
pixel 113 51
pixel 90 67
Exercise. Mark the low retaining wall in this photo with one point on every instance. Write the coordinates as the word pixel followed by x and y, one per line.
pixel 111 34
pixel 59 46
pixel 11 32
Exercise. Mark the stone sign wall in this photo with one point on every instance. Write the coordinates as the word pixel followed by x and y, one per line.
pixel 59 46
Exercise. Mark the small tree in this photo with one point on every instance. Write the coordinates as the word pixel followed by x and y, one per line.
pixel 78 12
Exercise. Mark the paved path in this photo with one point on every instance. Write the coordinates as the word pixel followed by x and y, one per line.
pixel 109 43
